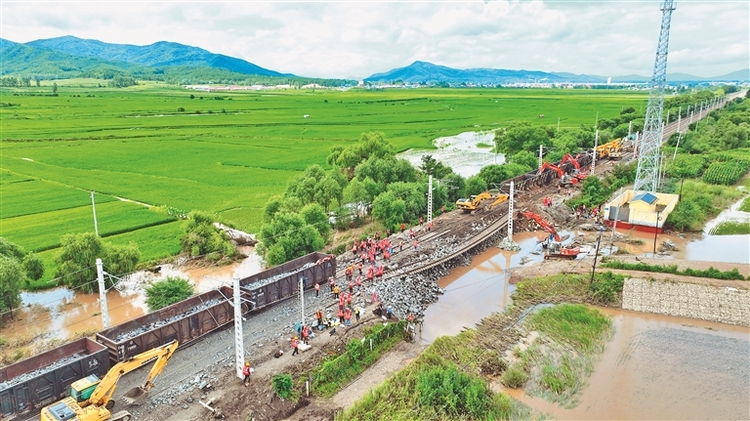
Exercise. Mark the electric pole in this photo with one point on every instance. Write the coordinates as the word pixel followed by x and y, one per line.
pixel 93 206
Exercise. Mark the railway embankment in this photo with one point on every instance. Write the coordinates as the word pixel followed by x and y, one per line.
pixel 716 301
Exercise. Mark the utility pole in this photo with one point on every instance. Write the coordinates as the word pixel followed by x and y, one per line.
pixel 102 293
pixel 540 157
pixel 93 206
pixel 630 128
pixel 429 200
pixel 614 225
pixel 659 209
pixel 239 346
pixel 676 147
pixel 596 123
pixel 302 299
pixel 598 242
pixel 679 121
pixel 593 158
pixel 510 215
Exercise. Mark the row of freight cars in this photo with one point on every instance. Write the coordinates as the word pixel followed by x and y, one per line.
pixel 28 385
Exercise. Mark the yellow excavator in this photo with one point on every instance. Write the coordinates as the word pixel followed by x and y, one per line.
pixel 500 198
pixel 472 203
pixel 91 399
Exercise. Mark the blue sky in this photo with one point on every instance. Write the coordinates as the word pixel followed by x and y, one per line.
pixel 354 39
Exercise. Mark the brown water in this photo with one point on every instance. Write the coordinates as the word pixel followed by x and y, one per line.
pixel 654 367
pixel 665 368
pixel 62 313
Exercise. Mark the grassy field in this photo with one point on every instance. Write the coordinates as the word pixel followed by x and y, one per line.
pixel 226 152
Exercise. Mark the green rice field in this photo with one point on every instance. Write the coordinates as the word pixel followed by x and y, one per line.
pixel 221 152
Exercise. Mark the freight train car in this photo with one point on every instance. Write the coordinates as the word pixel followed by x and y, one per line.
pixel 191 319
pixel 184 322
pixel 28 385
pixel 281 282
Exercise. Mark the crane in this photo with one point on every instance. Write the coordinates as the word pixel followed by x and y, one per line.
pixel 91 399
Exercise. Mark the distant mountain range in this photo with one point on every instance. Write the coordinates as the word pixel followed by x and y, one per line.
pixel 428 73
pixel 159 54
pixel 69 56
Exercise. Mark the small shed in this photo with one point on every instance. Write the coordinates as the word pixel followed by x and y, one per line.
pixel 644 211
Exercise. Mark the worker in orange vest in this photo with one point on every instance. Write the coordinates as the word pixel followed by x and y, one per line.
pixel 295 345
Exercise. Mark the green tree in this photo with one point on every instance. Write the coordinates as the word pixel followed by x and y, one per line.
pixel 525 158
pixel 389 210
pixel 54 88
pixel 33 266
pixel 433 167
pixel 314 215
pixel 202 238
pixel 12 277
pixel 168 291
pixel 289 236
pixel 475 185
pixel 76 263
pixel 455 186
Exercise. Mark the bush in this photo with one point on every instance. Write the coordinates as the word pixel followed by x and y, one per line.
pixel 282 386
pixel 515 376
pixel 168 291
pixel 454 393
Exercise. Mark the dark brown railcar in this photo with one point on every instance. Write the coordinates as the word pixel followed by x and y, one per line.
pixel 28 385
pixel 184 322
pixel 197 316
pixel 312 268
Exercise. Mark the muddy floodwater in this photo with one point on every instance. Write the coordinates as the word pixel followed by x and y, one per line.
pixel 664 368
pixel 465 153
pixel 61 313
pixel 654 368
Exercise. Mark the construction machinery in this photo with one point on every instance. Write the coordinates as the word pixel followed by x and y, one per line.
pixel 553 247
pixel 91 399
pixel 579 175
pixel 472 203
pixel 565 179
pixel 500 198
pixel 606 150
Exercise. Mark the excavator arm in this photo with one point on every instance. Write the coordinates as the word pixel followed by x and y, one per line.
pixel 103 393
pixel 542 223
pixel 552 167
pixel 568 158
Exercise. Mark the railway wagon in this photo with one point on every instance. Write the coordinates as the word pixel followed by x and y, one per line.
pixel 184 322
pixel 281 282
pixel 195 317
pixel 28 385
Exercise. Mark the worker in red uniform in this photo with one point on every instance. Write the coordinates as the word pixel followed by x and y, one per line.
pixel 246 371
pixel 348 317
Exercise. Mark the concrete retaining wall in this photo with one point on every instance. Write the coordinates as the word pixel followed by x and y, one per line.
pixel 682 299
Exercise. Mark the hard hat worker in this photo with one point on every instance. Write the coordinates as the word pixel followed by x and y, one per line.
pixel 247 371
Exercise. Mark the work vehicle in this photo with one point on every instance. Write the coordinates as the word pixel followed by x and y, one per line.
pixel 553 247
pixel 565 179
pixel 91 399
pixel 500 198
pixel 607 149
pixel 580 175
pixel 472 203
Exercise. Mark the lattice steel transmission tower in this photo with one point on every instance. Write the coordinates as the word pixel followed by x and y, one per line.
pixel 647 176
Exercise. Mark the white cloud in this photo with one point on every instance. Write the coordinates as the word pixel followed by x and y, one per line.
pixel 346 39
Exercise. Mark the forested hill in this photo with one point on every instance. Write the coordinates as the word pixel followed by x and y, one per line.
pixel 159 54
pixel 429 73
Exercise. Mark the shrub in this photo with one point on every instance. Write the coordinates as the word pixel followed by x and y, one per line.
pixel 282 386
pixel 452 392
pixel 515 376
pixel 168 291
pixel 727 173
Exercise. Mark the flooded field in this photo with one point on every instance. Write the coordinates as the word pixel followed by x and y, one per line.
pixel 655 367
pixel 664 368
pixel 460 152
pixel 61 313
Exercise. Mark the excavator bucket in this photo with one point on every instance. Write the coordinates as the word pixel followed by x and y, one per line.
pixel 135 396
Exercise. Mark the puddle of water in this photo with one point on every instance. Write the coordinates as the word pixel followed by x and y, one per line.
pixel 60 312
pixel 733 213
pixel 661 367
pixel 459 152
